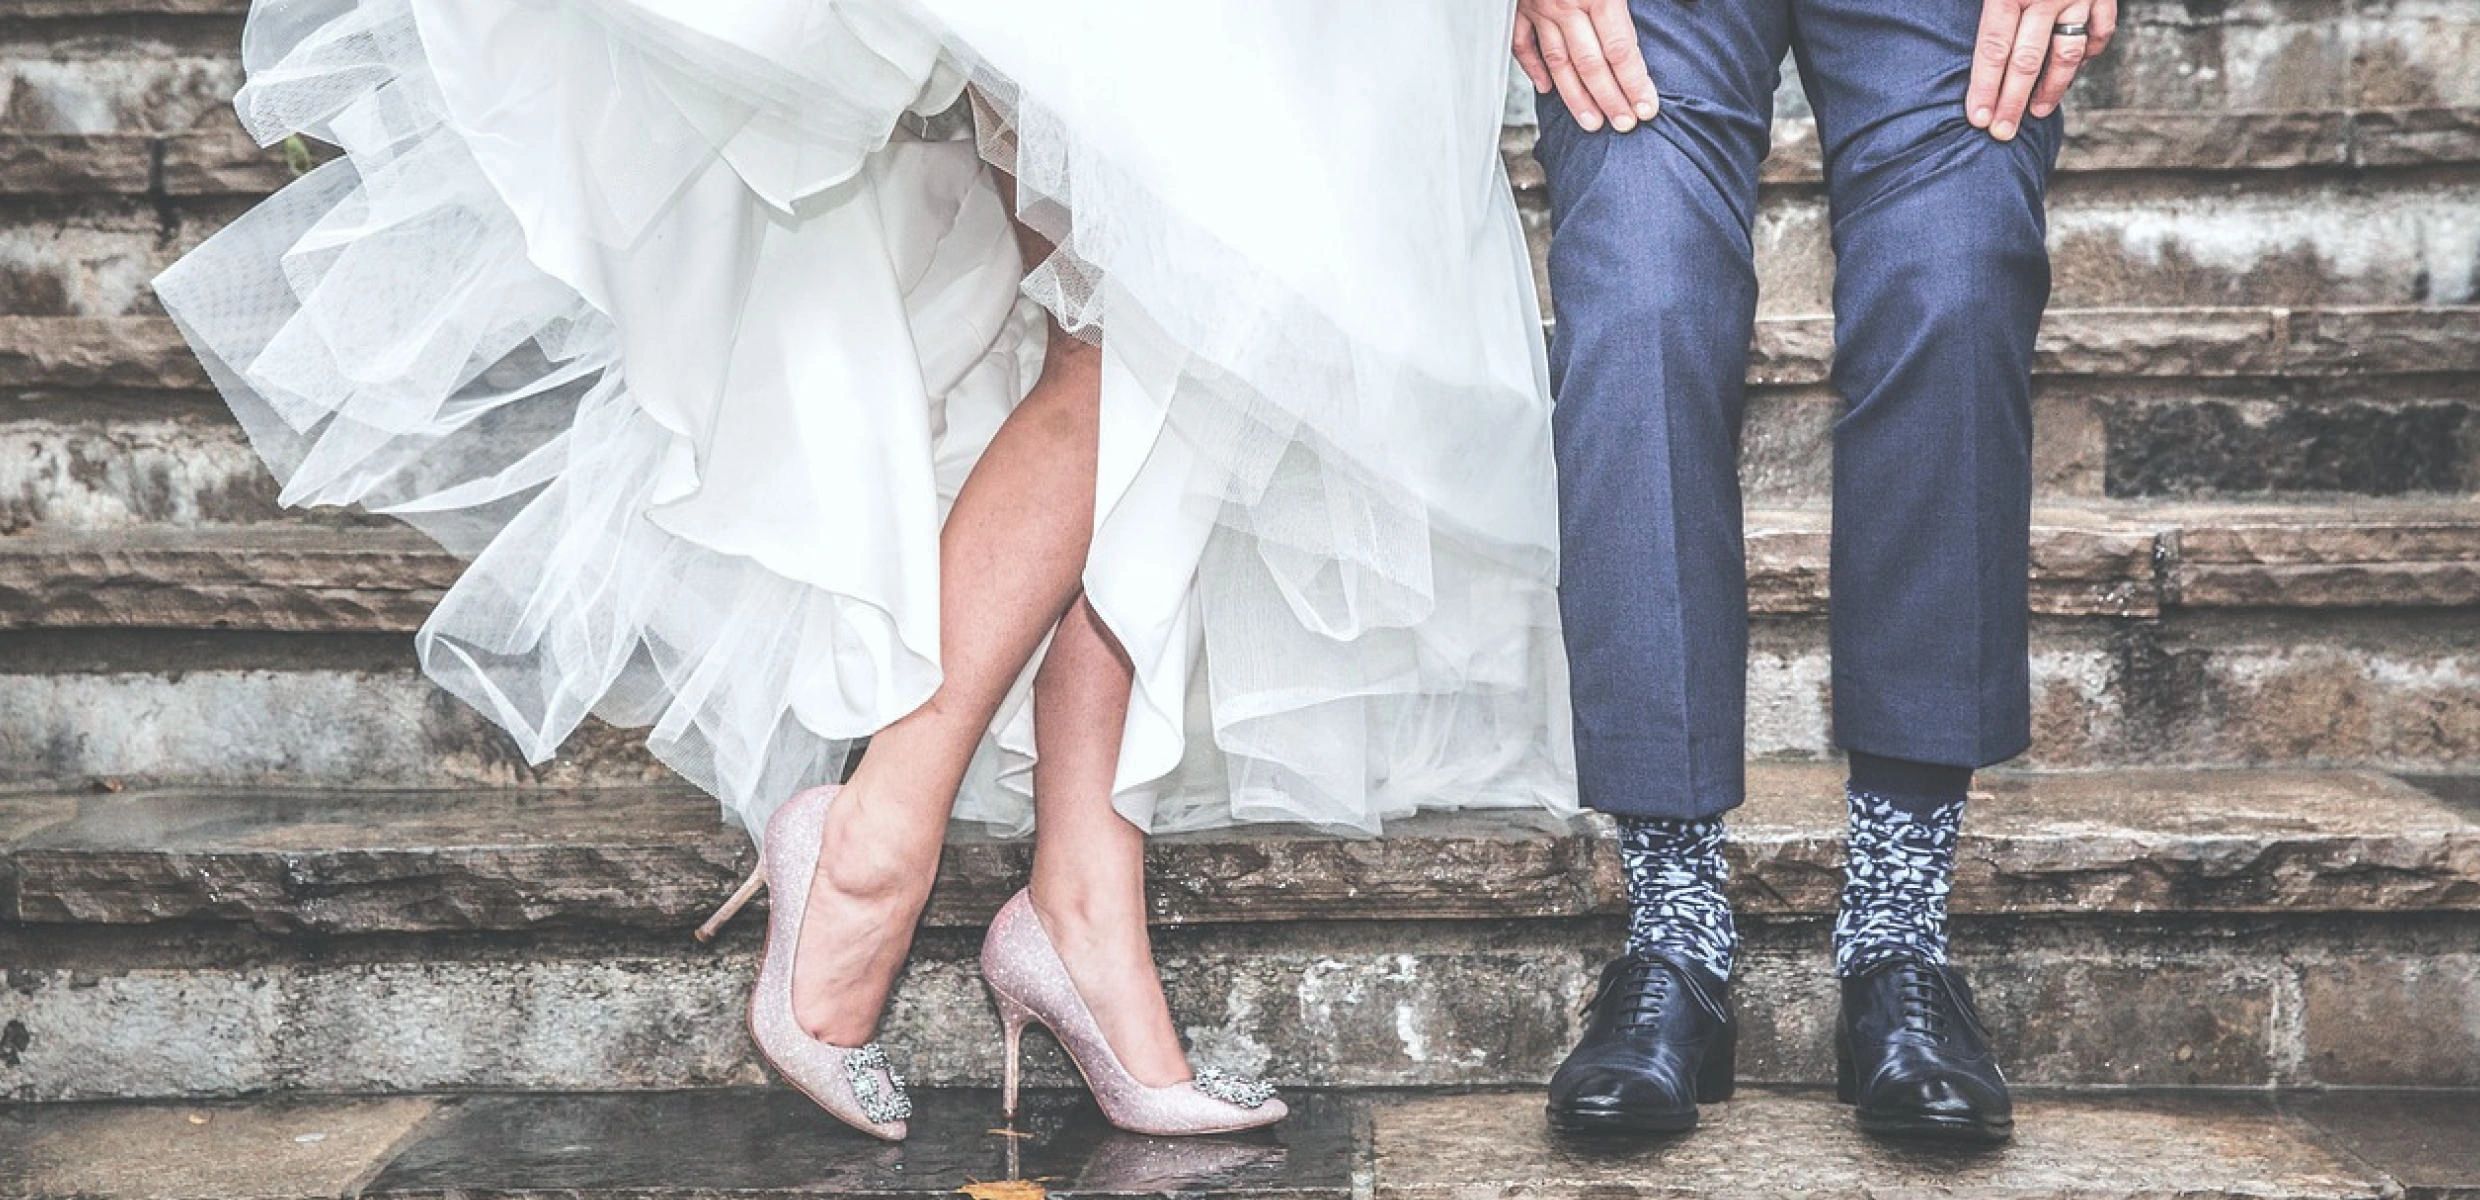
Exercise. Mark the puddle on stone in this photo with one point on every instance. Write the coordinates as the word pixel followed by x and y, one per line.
pixel 774 1140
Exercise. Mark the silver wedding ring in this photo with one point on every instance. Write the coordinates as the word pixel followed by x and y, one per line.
pixel 2075 30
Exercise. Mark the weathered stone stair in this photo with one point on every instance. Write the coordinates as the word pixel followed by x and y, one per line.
pixel 2130 929
pixel 249 859
pixel 2190 633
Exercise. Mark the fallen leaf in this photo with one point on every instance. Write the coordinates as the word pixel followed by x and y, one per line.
pixel 1006 1189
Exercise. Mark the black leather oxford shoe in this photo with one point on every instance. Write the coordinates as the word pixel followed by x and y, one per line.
pixel 1912 1056
pixel 1658 1041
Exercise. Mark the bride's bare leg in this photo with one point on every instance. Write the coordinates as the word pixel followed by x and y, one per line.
pixel 1088 861
pixel 1010 559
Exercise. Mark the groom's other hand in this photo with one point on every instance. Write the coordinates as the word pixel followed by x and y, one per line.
pixel 2028 53
pixel 1586 51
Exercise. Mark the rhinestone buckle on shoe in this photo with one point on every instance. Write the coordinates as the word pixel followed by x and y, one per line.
pixel 877 1085
pixel 1234 1089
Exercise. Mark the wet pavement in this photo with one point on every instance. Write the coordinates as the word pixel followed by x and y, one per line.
pixel 774 1141
pixel 705 1145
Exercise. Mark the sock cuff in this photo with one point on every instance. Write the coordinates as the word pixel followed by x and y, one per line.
pixel 1679 844
pixel 1680 829
pixel 1909 785
pixel 1879 823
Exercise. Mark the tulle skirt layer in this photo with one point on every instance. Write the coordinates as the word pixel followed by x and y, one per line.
pixel 685 321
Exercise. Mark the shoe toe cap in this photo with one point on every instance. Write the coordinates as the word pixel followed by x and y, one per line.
pixel 1615 1089
pixel 1940 1096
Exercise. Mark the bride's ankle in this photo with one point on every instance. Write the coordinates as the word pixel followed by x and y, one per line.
pixel 861 864
pixel 871 883
pixel 1080 912
pixel 1087 918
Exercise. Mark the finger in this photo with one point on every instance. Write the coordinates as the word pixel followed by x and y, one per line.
pixel 1528 57
pixel 1563 76
pixel 1585 42
pixel 2023 69
pixel 1627 60
pixel 2066 55
pixel 2104 27
pixel 1990 48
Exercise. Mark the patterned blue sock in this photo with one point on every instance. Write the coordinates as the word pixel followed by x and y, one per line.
pixel 1898 867
pixel 1675 873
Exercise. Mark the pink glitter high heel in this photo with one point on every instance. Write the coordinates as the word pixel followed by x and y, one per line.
pixel 1024 971
pixel 856 1085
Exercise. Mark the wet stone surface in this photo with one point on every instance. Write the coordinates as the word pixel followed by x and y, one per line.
pixel 266 1151
pixel 2428 1142
pixel 1387 1145
pixel 774 1142
pixel 2426 1007
pixel 2461 792
pixel 1804 1144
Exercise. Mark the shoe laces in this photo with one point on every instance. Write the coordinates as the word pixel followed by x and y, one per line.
pixel 1923 997
pixel 1646 989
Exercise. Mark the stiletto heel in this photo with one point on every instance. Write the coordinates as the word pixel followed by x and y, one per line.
pixel 1031 983
pixel 855 1084
pixel 1013 1017
pixel 732 907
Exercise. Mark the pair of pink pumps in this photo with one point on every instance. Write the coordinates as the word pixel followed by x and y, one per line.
pixel 859 1087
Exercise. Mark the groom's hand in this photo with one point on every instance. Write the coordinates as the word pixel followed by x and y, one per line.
pixel 1586 50
pixel 2028 53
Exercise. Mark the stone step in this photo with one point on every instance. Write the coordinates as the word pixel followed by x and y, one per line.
pixel 216 159
pixel 99 463
pixel 340 861
pixel 117 427
pixel 54 354
pixel 2389 688
pixel 115 430
pixel 166 65
pixel 1335 1146
pixel 2118 239
pixel 2167 635
pixel 2195 929
pixel 2153 208
pixel 2105 560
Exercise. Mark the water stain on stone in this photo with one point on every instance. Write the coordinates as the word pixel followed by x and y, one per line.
pixel 2165 690
pixel 27 292
pixel 14 1038
pixel 2387 78
pixel 2227 447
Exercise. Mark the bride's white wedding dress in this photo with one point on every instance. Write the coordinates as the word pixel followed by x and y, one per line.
pixel 685 319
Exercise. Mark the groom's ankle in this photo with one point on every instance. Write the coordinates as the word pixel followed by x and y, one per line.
pixel 1677 908
pixel 1908 784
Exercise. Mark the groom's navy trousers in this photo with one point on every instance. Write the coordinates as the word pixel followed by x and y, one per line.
pixel 1941 275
